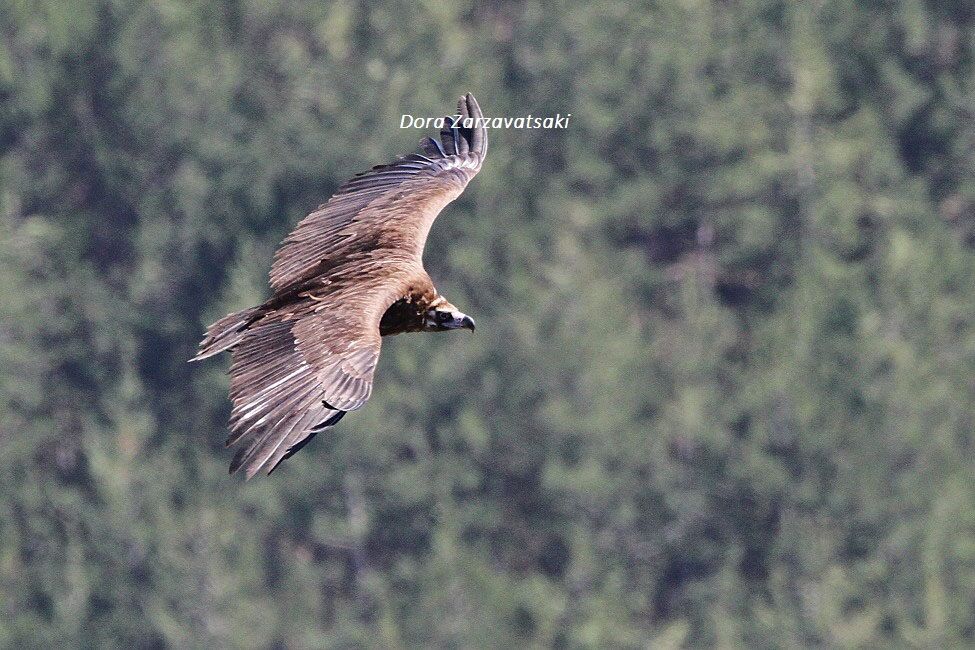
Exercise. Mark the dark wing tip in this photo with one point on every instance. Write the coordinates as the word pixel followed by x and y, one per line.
pixel 479 139
pixel 432 147
pixel 314 431
pixel 238 460
pixel 467 134
pixel 449 135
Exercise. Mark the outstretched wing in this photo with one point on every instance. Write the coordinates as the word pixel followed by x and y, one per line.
pixel 300 370
pixel 276 396
pixel 389 207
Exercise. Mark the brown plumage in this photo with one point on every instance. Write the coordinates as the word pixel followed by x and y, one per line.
pixel 350 273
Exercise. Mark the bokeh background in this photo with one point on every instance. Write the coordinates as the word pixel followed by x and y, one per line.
pixel 722 391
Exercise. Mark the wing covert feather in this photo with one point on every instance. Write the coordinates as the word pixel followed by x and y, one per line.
pixel 389 207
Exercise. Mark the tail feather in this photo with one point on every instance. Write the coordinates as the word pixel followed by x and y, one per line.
pixel 226 333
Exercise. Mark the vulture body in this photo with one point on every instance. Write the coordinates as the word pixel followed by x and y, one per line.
pixel 350 273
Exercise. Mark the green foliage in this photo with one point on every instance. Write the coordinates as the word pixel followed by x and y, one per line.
pixel 721 389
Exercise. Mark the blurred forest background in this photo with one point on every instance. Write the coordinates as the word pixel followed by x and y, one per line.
pixel 722 391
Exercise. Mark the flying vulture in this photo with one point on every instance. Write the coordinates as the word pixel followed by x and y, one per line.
pixel 350 273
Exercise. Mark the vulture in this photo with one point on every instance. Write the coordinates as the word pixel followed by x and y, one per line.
pixel 349 274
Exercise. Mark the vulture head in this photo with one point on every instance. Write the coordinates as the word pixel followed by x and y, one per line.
pixel 446 317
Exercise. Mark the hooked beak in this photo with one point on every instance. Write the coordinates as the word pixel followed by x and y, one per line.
pixel 455 320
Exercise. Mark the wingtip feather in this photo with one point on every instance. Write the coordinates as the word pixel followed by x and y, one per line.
pixel 464 140
pixel 479 133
